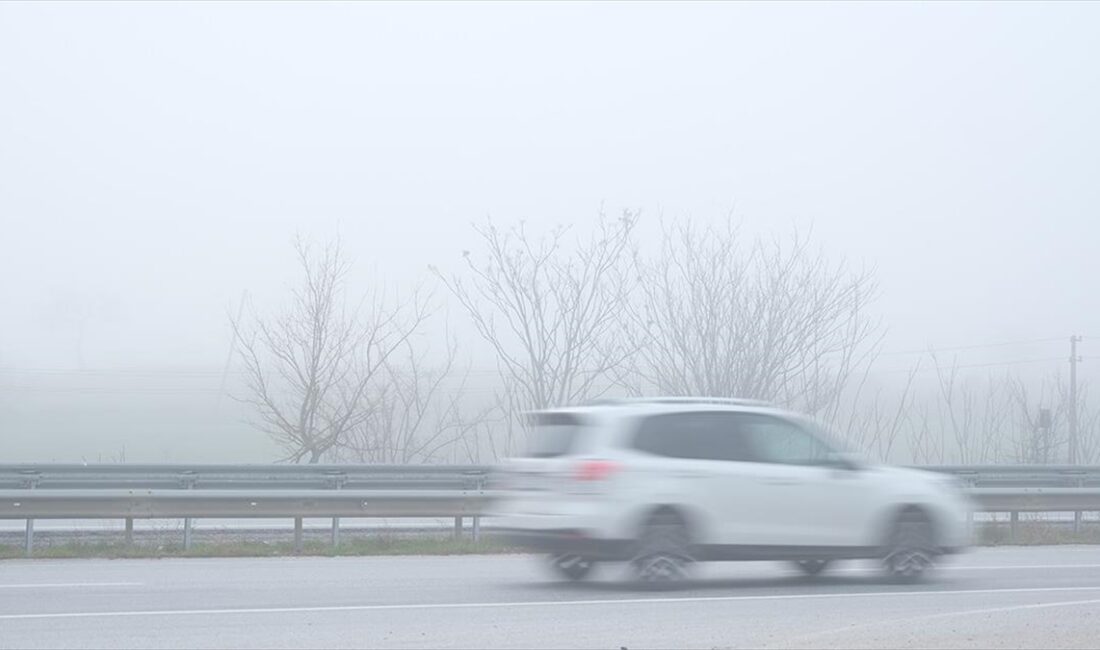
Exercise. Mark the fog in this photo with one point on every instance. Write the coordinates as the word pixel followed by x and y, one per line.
pixel 157 161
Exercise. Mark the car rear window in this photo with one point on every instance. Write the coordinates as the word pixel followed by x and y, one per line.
pixel 553 434
pixel 701 436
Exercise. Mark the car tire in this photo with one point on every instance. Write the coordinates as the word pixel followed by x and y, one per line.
pixel 663 553
pixel 572 567
pixel 911 549
pixel 812 567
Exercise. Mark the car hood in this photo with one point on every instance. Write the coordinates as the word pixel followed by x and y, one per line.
pixel 918 477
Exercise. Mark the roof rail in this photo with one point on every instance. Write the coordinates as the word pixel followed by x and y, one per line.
pixel 679 400
pixel 737 401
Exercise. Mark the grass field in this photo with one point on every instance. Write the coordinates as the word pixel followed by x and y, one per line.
pixel 1027 533
pixel 380 545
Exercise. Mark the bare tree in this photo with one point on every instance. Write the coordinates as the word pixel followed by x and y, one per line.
pixel 998 419
pixel 416 413
pixel 1035 441
pixel 955 409
pixel 875 425
pixel 1088 423
pixel 971 420
pixel 308 369
pixel 925 446
pixel 549 315
pixel 477 444
pixel 719 316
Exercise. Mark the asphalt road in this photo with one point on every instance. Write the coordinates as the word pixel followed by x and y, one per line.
pixel 1009 597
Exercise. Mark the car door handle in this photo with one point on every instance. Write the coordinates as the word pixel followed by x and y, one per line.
pixel 690 474
pixel 781 481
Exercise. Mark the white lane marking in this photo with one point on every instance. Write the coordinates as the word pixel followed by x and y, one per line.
pixel 536 603
pixel 1026 567
pixel 70 585
pixel 1006 567
pixel 931 617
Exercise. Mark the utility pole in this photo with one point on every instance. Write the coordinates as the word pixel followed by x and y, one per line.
pixel 1073 359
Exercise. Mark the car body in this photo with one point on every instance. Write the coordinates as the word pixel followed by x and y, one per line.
pixel 738 479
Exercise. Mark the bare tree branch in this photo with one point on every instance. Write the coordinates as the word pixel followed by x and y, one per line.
pixel 550 316
pixel 416 413
pixel 308 369
pixel 719 316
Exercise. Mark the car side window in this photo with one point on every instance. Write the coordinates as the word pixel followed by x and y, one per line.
pixel 708 435
pixel 774 440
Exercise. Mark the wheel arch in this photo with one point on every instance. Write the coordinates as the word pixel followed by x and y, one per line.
pixel 690 516
pixel 906 511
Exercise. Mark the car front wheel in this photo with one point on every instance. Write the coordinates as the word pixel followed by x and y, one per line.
pixel 812 567
pixel 663 552
pixel 571 567
pixel 911 550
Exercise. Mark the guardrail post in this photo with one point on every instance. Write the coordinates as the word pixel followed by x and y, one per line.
pixel 30 482
pixel 970 484
pixel 28 541
pixel 1077 514
pixel 187 482
pixel 297 534
pixel 129 531
pixel 336 481
pixel 480 485
pixel 458 527
pixel 1013 525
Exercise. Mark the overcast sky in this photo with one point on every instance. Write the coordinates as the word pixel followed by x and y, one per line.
pixel 156 159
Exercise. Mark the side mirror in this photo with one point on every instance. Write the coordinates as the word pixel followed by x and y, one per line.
pixel 844 461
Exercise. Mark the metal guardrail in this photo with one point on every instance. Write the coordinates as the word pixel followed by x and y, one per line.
pixel 1029 488
pixel 128 492
pixel 1016 476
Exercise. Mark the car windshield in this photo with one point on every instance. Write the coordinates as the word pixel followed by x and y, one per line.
pixel 831 440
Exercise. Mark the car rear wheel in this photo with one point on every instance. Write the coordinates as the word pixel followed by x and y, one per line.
pixel 663 553
pixel 812 567
pixel 911 550
pixel 572 567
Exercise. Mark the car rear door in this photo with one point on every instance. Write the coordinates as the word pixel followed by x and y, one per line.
pixel 697 460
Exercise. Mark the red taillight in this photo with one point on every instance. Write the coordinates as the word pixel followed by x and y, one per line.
pixel 596 470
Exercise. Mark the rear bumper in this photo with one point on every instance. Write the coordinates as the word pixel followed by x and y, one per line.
pixel 566 542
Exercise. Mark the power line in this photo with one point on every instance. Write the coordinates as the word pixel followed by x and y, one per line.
pixel 138 372
pixel 111 391
pixel 124 372
pixel 972 347
pixel 978 365
pixel 116 371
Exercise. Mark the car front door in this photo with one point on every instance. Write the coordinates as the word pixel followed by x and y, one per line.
pixel 805 498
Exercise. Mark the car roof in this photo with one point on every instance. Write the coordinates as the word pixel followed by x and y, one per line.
pixel 641 406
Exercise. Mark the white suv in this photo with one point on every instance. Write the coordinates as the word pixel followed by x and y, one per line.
pixel 665 482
